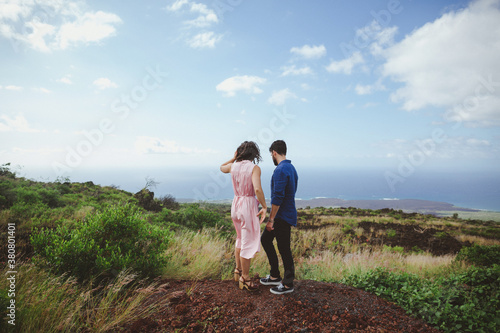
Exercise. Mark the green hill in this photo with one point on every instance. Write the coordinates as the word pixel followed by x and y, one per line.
pixel 88 257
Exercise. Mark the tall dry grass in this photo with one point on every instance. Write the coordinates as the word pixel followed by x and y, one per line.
pixel 48 303
pixel 321 254
pixel 333 266
pixel 197 255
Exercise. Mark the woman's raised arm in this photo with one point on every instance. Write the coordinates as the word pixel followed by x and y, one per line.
pixel 226 167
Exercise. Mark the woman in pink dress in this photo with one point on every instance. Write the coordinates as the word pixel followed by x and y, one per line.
pixel 245 211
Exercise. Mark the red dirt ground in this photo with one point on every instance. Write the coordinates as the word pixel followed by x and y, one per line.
pixel 219 306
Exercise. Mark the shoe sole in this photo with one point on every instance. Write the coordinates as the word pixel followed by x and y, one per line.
pixel 282 292
pixel 270 283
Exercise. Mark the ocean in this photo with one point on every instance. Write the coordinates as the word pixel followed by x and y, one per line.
pixel 477 190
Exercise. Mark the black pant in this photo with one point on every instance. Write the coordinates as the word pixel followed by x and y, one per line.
pixel 282 234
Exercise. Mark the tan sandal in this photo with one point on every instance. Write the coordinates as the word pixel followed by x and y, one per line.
pixel 237 274
pixel 248 284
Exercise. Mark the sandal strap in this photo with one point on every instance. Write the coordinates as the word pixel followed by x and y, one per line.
pixel 252 283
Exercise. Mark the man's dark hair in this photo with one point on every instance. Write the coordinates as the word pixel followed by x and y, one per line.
pixel 248 150
pixel 278 146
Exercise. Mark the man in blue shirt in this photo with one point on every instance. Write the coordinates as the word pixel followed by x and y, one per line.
pixel 283 216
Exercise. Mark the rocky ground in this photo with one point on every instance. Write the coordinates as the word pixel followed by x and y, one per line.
pixel 219 306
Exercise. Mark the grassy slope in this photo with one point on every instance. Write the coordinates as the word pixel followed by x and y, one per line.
pixel 329 246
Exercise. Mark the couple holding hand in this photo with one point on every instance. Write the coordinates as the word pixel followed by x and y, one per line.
pixel 247 217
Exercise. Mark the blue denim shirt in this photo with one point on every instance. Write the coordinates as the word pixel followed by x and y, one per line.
pixel 283 188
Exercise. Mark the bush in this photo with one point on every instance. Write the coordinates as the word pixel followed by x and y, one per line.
pixel 7 194
pixel 466 302
pixel 109 241
pixel 191 216
pixel 28 195
pixel 50 197
pixel 28 210
pixel 6 172
pixel 169 202
pixel 480 255
pixel 393 249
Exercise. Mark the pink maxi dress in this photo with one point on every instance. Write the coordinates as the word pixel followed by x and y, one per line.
pixel 244 209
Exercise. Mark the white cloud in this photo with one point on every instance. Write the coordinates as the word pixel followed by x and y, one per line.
pixel 452 63
pixel 65 79
pixel 279 97
pixel 15 10
pixel 245 83
pixel 17 124
pixel 292 70
pixel 13 88
pixel 204 40
pixel 55 25
pixel 150 145
pixel 43 90
pixel 104 83
pixel 345 66
pixel 207 16
pixel 370 88
pixel 363 90
pixel 177 5
pixel 91 27
pixel 40 31
pixel 375 37
pixel 309 52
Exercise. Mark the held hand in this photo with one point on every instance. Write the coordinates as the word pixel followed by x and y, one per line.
pixel 262 214
pixel 269 226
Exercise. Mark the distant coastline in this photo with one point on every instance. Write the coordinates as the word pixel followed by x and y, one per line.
pixel 407 205
pixel 437 208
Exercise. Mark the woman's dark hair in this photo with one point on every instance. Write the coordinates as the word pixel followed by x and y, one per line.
pixel 248 150
pixel 278 146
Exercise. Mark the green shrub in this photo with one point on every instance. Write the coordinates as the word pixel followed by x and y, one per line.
pixel 441 234
pixel 346 228
pixel 391 233
pixel 417 250
pixel 196 217
pixel 50 197
pixel 466 302
pixel 28 195
pixel 393 249
pixel 191 216
pixel 480 255
pixel 6 172
pixel 28 210
pixel 7 194
pixel 109 241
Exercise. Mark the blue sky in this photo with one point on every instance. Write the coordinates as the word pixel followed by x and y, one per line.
pixel 396 85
